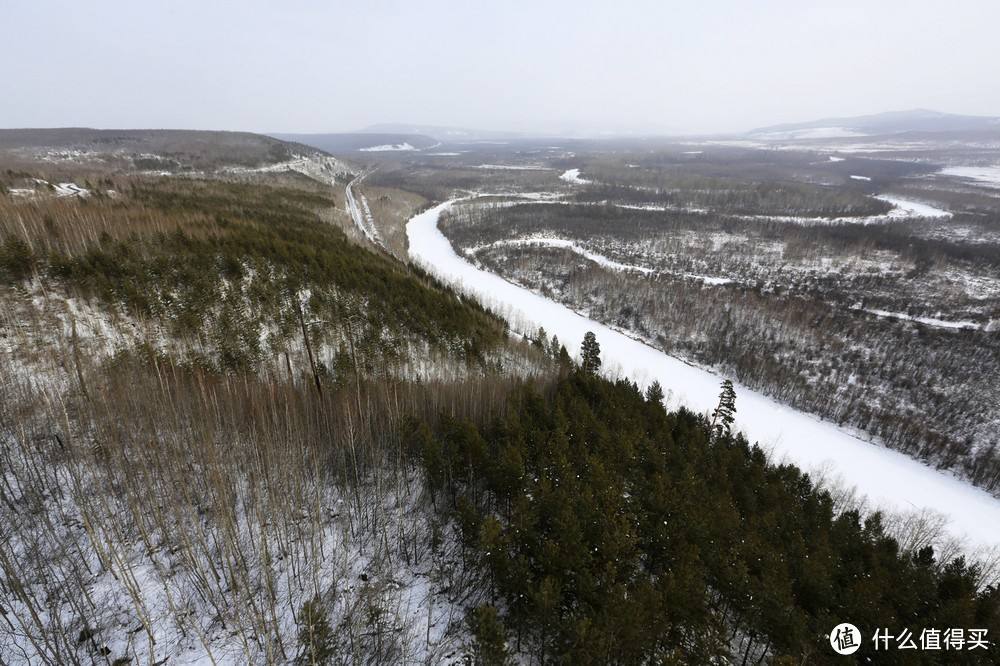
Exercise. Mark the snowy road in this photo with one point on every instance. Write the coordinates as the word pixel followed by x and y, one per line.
pixel 891 480
pixel 357 205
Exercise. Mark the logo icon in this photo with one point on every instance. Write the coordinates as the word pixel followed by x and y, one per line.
pixel 845 638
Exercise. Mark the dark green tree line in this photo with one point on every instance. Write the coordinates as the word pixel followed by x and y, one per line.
pixel 612 531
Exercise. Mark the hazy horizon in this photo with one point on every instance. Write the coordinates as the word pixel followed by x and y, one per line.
pixel 562 68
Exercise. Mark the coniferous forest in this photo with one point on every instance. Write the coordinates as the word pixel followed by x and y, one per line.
pixel 611 531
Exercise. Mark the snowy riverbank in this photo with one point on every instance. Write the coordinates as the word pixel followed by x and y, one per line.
pixel 891 480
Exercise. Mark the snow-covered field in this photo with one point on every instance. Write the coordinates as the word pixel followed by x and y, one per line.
pixel 982 176
pixel 891 480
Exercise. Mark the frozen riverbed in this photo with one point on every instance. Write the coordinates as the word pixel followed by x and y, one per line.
pixel 891 480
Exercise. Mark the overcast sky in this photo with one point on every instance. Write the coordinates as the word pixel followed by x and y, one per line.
pixel 545 66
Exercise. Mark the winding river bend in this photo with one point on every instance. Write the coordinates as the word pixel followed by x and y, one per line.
pixel 890 480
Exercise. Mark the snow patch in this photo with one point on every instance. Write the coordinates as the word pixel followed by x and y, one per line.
pixel 71 190
pixel 573 176
pixel 563 243
pixel 907 208
pixel 927 321
pixel 514 167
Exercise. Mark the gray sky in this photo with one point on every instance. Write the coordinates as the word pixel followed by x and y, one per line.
pixel 582 66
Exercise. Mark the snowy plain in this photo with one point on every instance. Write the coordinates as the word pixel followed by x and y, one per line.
pixel 982 176
pixel 890 480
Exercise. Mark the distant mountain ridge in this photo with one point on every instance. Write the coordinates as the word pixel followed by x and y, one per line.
pixel 155 148
pixel 891 122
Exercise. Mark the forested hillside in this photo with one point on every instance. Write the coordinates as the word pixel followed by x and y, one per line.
pixel 880 328
pixel 229 434
pixel 611 531
pixel 231 275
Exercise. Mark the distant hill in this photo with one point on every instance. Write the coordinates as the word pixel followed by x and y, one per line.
pixel 445 134
pixel 175 149
pixel 893 122
pixel 348 142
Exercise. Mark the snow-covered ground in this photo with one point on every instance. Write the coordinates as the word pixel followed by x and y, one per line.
pixel 563 243
pixel 514 167
pixel 599 259
pixel 906 208
pixel 573 176
pixel 71 190
pixel 388 147
pixel 927 321
pixel 319 167
pixel 902 209
pixel 982 176
pixel 891 480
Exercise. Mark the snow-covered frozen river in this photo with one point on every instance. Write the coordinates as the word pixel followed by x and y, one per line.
pixel 891 480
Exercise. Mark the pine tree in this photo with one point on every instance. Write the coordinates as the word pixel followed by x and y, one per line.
pixel 724 414
pixel 654 392
pixel 488 635
pixel 541 340
pixel 554 347
pixel 316 638
pixel 565 362
pixel 590 352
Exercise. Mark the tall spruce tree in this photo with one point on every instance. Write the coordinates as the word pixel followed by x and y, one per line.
pixel 554 346
pixel 541 340
pixel 654 392
pixel 590 352
pixel 725 412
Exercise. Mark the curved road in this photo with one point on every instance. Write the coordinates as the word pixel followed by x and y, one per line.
pixel 359 212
